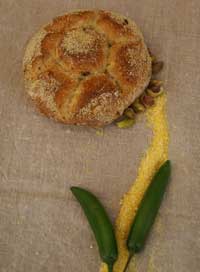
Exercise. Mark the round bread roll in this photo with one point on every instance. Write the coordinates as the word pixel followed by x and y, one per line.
pixel 86 67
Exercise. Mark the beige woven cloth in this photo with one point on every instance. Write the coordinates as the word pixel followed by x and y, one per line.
pixel 42 228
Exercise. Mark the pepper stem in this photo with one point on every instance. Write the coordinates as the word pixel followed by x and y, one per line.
pixel 128 261
pixel 110 267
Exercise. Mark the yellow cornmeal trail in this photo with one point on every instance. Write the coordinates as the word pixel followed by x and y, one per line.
pixel 155 156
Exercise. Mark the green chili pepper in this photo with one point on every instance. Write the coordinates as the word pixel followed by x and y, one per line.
pixel 148 210
pixel 100 224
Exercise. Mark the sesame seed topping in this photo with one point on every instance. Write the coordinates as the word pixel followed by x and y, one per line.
pixel 79 41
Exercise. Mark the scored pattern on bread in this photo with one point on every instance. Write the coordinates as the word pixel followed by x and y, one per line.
pixel 86 67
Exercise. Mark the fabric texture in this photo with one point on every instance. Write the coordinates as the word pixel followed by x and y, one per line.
pixel 42 227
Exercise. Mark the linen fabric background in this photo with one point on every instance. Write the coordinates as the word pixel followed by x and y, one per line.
pixel 42 227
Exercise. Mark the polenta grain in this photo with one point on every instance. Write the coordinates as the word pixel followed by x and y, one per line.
pixel 154 157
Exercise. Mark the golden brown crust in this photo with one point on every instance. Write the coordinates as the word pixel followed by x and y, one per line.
pixel 83 50
pixel 71 20
pixel 94 87
pixel 86 67
pixel 129 63
pixel 117 27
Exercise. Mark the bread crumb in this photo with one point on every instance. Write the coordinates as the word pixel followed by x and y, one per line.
pixel 151 265
pixel 100 132
pixel 159 227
